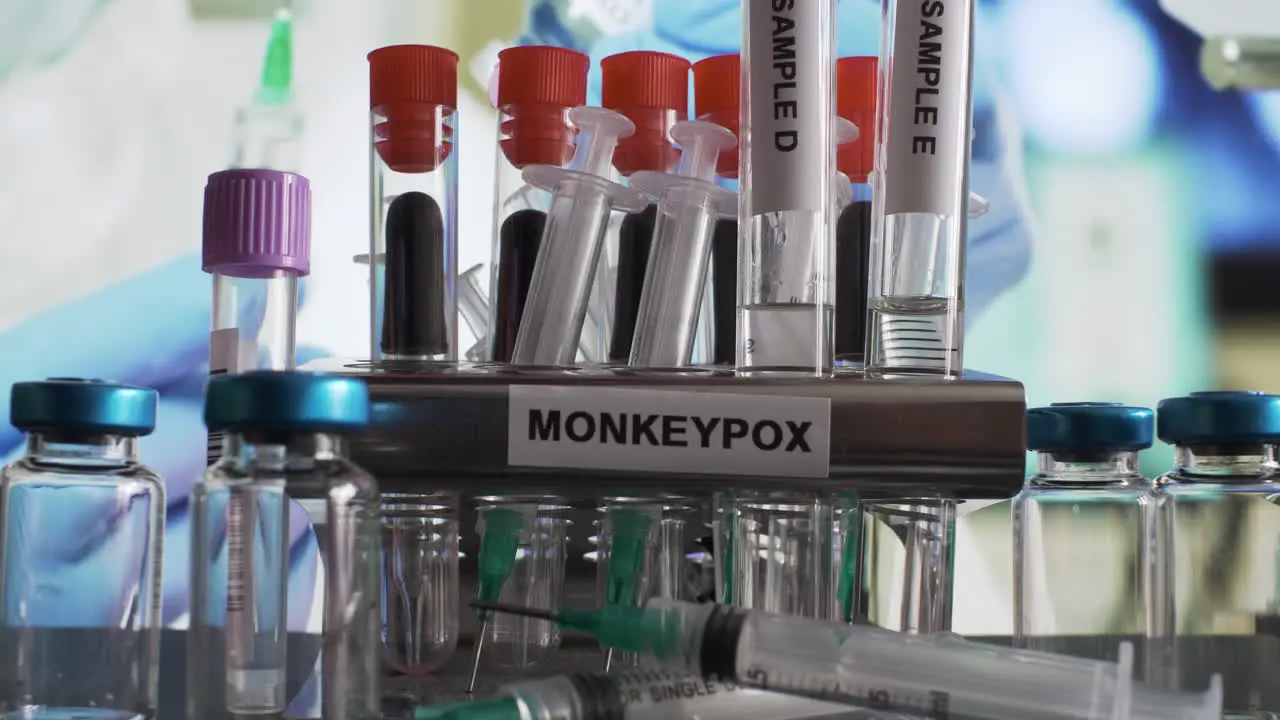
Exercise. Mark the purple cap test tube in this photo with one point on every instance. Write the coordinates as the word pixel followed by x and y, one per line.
pixel 257 243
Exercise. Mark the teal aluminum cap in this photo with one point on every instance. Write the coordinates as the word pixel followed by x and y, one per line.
pixel 273 401
pixel 1089 427
pixel 1219 418
pixel 75 405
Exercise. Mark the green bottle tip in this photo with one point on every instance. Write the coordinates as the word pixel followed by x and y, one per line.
pixel 502 708
pixel 277 67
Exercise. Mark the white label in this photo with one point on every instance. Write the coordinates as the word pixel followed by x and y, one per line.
pixel 658 695
pixel 224 351
pixel 928 128
pixel 669 431
pixel 787 107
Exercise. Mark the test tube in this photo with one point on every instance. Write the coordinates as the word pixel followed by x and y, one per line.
pixel 419 581
pixel 907 566
pixel 786 223
pixel 652 90
pixel 256 244
pixel 922 161
pixel 523 549
pixel 537 86
pixel 690 205
pixel 583 196
pixel 855 103
pixel 413 160
pixel 717 89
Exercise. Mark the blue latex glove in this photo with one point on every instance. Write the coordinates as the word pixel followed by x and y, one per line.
pixel 151 330
pixel 999 243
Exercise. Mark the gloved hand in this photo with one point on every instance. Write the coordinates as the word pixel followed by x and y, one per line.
pixel 999 242
pixel 151 330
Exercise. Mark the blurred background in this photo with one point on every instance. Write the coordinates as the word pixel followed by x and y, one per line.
pixel 1127 255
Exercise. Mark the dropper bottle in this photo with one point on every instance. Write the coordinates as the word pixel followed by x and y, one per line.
pixel 716 97
pixel 652 90
pixel 268 131
pixel 537 86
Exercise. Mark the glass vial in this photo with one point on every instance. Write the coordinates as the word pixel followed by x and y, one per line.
pixel 1079 531
pixel 286 441
pixel 256 244
pixel 922 163
pixel 786 223
pixel 1216 570
pixel 413 165
pixel 81 527
pixel 537 87
pixel 777 552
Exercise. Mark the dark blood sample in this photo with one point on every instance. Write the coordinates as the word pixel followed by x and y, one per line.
pixel 853 264
pixel 724 292
pixel 635 240
pixel 518 243
pixel 413 321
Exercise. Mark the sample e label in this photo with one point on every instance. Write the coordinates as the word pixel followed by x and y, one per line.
pixel 669 431
pixel 788 108
pixel 927 139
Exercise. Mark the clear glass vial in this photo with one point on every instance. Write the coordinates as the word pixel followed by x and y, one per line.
pixel 1078 527
pixel 1217 535
pixel 284 441
pixel 81 528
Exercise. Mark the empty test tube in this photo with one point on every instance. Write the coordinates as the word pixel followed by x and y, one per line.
pixel 917 278
pixel 419 581
pixel 787 161
pixel 652 90
pixel 583 196
pixel 537 86
pixel 413 92
pixel 690 205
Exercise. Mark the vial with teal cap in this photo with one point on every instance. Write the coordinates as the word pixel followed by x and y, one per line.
pixel 81 527
pixel 1079 585
pixel 1218 537
pixel 285 441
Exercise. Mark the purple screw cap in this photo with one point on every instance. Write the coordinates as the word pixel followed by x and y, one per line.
pixel 257 222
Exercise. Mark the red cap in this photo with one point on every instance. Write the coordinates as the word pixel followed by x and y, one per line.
pixel 716 97
pixel 536 86
pixel 652 90
pixel 407 85
pixel 856 102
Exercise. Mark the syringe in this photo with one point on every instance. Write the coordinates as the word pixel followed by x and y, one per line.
pixel 935 676
pixel 689 206
pixel 583 196
pixel 642 695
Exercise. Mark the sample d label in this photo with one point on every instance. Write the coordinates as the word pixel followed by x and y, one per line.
pixel 669 431
pixel 787 104
pixel 927 139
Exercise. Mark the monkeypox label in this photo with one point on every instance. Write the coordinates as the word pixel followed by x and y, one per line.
pixel 928 129
pixel 669 431
pixel 787 107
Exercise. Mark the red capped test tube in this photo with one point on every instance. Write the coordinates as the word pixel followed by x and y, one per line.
pixel 413 249
pixel 855 160
pixel 717 93
pixel 652 90
pixel 537 87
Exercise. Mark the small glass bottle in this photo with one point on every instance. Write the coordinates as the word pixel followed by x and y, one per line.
pixel 413 161
pixel 537 87
pixel 81 528
pixel 1216 572
pixel 256 244
pixel 1078 552
pixel 285 441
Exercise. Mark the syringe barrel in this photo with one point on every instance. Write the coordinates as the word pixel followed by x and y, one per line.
pixel 922 162
pixel 667 320
pixel 413 162
pixel 787 161
pixel 560 290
